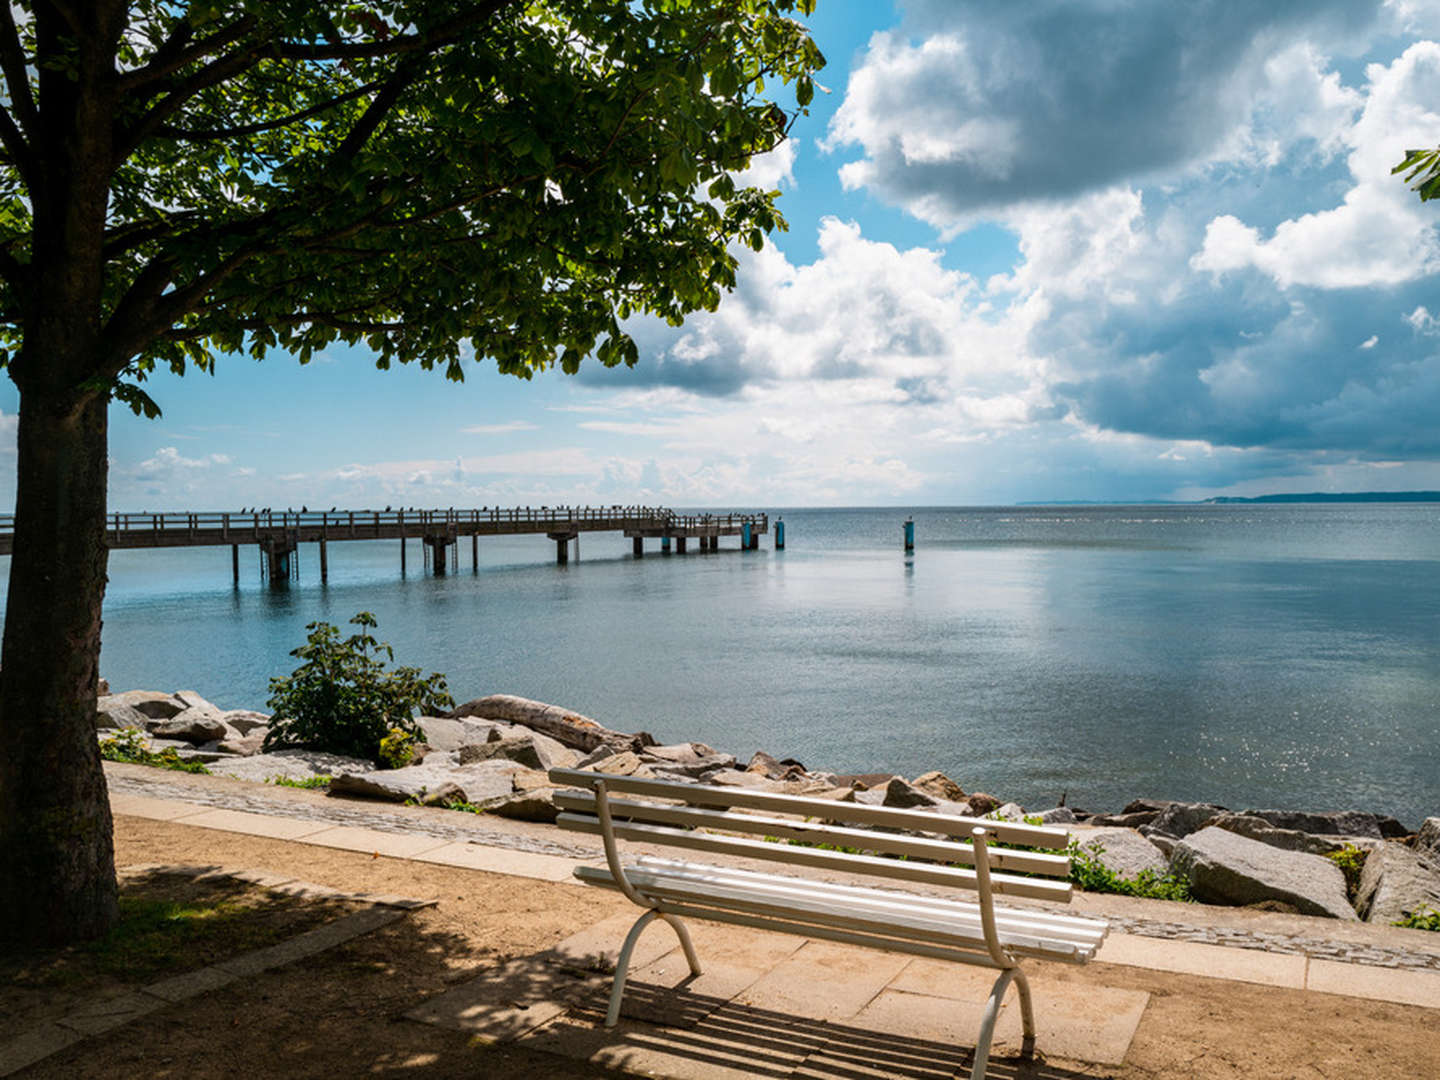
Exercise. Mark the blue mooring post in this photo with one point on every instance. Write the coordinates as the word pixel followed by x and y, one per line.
pixel 909 535
pixel 779 534
pixel 665 544
pixel 745 537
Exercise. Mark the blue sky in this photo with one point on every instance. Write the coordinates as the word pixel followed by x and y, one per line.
pixel 1065 249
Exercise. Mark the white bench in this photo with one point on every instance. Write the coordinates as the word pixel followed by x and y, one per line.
pixel 706 819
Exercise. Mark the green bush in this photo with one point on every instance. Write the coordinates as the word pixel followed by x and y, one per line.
pixel 342 700
pixel 1351 861
pixel 1421 919
pixel 128 745
pixel 1088 873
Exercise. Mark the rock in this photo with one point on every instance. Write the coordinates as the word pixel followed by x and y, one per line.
pixel 1226 868
pixel 596 756
pixel 1146 806
pixel 1127 820
pixel 152 703
pixel 681 753
pixel 1011 812
pixel 530 780
pixel 191 700
pixel 691 769
pixel 978 804
pixel 1337 823
pixel 113 714
pixel 1395 882
pixel 1126 852
pixel 763 764
pixel 291 764
pixel 737 779
pixel 533 750
pixel 194 725
pixel 245 721
pixel 575 731
pixel 863 781
pixel 626 763
pixel 243 745
pixel 1257 828
pixel 536 805
pixel 939 785
pixel 102 687
pixel 1059 815
pixel 481 784
pixel 1428 838
pixel 896 793
pixel 446 735
pixel 1180 819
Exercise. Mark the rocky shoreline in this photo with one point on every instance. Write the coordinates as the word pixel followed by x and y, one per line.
pixel 492 754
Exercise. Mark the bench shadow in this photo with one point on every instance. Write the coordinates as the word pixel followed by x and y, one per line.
pixel 663 1022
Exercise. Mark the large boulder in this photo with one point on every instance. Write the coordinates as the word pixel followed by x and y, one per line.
pixel 1226 868
pixel 575 731
pixel 1335 823
pixel 194 725
pixel 242 745
pixel 1395 882
pixel 1127 820
pixel 978 804
pixel 481 784
pixel 896 793
pixel 113 714
pixel 533 750
pixel 1257 828
pixel 939 785
pixel 535 805
pixel 1180 819
pixel 684 761
pixel 1058 815
pixel 292 764
pixel 1123 851
pixel 448 735
pixel 191 700
pixel 1428 838
pixel 245 721
pixel 153 704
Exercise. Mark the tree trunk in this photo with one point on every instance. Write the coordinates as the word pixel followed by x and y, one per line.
pixel 56 850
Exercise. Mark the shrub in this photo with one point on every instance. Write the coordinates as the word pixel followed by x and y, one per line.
pixel 397 748
pixel 1088 873
pixel 128 746
pixel 1351 861
pixel 1422 918
pixel 342 700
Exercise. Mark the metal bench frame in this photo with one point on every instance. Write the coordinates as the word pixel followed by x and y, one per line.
pixel 971 933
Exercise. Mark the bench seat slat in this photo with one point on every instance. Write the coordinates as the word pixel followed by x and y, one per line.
pixel 756 899
pixel 1007 884
pixel 1069 926
pixel 1039 836
pixel 1024 862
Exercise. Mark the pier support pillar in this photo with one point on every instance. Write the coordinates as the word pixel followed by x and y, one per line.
pixel 562 545
pixel 664 545
pixel 235 561
pixel 324 563
pixel 475 552
pixel 438 546
pixel 402 556
pixel 679 545
pixel 755 541
pixel 638 547
pixel 276 562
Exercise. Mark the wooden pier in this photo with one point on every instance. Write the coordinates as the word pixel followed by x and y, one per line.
pixel 280 533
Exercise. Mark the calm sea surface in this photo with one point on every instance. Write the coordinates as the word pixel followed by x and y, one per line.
pixel 1249 655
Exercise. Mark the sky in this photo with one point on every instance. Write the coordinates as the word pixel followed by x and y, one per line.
pixel 1092 250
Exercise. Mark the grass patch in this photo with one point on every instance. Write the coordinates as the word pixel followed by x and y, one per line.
pixel 310 783
pixel 129 746
pixel 1421 919
pixel 169 924
pixel 1351 861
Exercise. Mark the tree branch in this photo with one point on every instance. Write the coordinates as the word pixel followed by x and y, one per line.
pixel 17 79
pixel 13 139
pixel 212 134
pixel 177 52
pixel 375 112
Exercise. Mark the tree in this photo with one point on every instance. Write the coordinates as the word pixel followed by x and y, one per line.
pixel 180 181
pixel 1422 169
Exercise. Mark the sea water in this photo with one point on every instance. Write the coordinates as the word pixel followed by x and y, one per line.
pixel 1250 655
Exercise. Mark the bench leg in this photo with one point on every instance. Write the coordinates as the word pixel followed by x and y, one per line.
pixel 992 1014
pixel 622 963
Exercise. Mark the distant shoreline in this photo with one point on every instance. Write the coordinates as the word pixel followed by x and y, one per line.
pixel 1289 497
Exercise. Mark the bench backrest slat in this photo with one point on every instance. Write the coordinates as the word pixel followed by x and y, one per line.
pixel 1005 832
pixel 930 873
pixel 1027 862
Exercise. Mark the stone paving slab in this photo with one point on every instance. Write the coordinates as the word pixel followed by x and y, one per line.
pixel 37 1044
pixel 500 1005
pixel 1357 980
pixel 266 825
pixel 143 806
pixel 824 981
pixel 500 861
pixel 1211 961
pixel 98 1017
pixel 374 842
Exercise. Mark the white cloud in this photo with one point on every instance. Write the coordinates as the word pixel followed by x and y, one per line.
pixel 498 429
